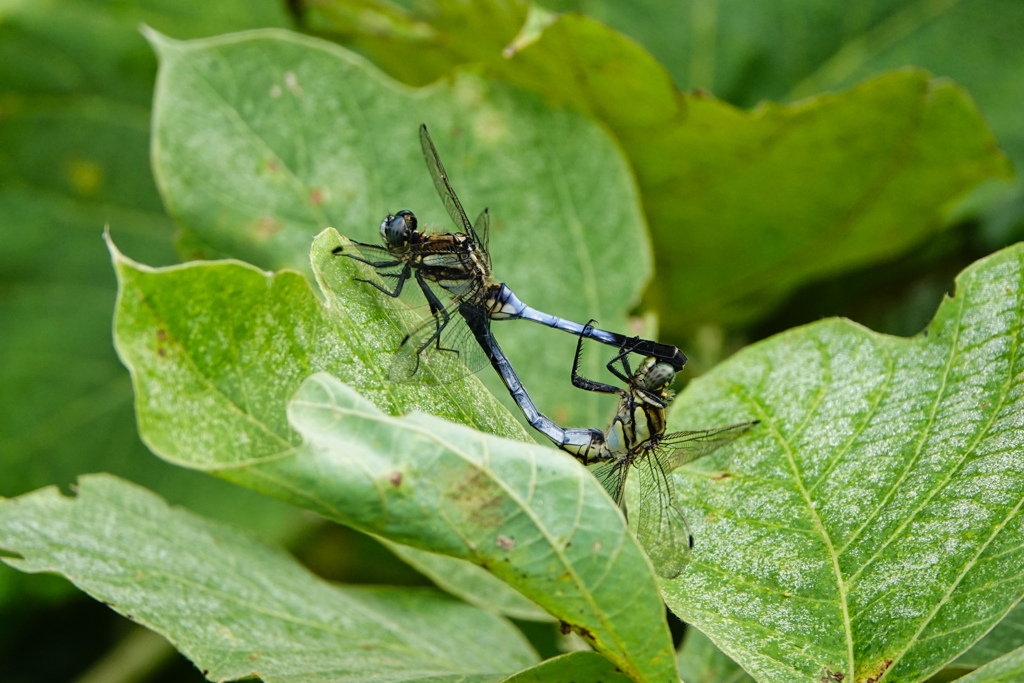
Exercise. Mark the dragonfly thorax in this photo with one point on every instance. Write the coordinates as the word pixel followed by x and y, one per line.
pixel 397 230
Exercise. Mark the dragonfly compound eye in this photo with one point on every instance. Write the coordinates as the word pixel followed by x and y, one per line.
pixel 395 230
pixel 659 376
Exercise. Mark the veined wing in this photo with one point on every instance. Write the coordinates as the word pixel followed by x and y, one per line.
pixel 444 188
pixel 661 528
pixel 482 235
pixel 612 475
pixel 442 346
pixel 684 447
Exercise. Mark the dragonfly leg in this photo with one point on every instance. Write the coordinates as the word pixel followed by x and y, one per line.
pixel 402 277
pixel 582 382
pixel 622 357
pixel 438 311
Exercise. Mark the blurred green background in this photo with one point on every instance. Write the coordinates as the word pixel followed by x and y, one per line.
pixel 76 85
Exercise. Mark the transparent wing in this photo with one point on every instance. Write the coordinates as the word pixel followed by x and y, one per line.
pixel 685 447
pixel 482 229
pixel 441 348
pixel 661 528
pixel 612 475
pixel 443 186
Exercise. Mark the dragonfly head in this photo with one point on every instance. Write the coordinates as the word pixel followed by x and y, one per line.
pixel 396 230
pixel 654 376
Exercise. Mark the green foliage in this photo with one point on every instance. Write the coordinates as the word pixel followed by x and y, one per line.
pixel 264 139
pixel 76 79
pixel 879 459
pixel 881 501
pixel 238 607
pixel 867 529
pixel 839 171
pixel 701 662
pixel 212 386
pixel 1006 669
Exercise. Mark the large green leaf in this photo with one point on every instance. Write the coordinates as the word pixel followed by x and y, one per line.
pixel 216 349
pixel 792 49
pixel 800 191
pixel 871 525
pixel 530 515
pixel 265 138
pixel 76 79
pixel 237 607
pixel 743 206
pixel 572 667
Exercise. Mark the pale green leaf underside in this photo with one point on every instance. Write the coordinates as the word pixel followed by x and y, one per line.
pixel 872 523
pixel 237 607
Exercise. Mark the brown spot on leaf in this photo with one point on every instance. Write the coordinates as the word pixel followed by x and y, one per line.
pixel 506 543
pixel 395 478
pixel 478 498
pixel 161 334
pixel 316 196
pixel 722 476
pixel 878 675
pixel 161 351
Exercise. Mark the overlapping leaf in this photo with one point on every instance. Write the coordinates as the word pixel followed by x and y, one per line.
pixel 216 349
pixel 263 139
pixel 1008 635
pixel 740 204
pixel 237 607
pixel 871 526
pixel 701 662
pixel 76 79
pixel 1007 669
pixel 471 583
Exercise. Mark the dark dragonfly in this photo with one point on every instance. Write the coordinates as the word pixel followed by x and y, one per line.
pixel 636 440
pixel 453 271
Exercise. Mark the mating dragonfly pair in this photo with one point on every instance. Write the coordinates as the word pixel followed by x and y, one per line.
pixel 453 272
